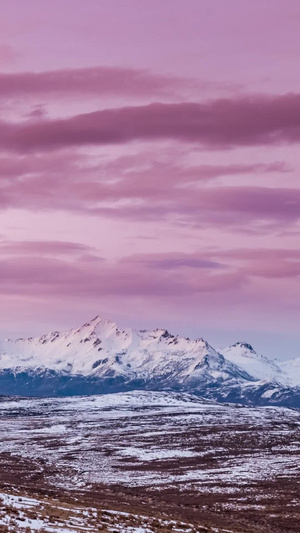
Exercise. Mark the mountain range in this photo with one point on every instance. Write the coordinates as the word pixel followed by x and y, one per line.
pixel 100 358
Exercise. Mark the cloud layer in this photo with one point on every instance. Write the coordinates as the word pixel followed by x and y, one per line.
pixel 93 81
pixel 221 124
pixel 149 165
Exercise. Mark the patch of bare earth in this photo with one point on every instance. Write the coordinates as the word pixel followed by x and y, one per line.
pixel 187 467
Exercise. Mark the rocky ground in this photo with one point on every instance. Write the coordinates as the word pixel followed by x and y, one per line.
pixel 144 462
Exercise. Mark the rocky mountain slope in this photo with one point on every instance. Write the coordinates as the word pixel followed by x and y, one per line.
pixel 100 358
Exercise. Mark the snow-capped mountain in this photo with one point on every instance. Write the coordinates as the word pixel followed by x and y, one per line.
pixel 260 367
pixel 291 369
pixel 99 358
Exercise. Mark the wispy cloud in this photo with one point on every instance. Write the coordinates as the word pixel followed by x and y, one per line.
pixel 92 81
pixel 142 187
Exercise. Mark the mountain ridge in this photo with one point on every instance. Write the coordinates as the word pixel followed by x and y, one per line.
pixel 98 357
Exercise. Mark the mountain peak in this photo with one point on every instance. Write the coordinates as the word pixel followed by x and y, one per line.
pixel 98 321
pixel 244 345
pixel 100 357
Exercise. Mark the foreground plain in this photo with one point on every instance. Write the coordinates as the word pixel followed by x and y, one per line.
pixel 148 461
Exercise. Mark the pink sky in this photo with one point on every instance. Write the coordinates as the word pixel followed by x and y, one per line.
pixel 149 167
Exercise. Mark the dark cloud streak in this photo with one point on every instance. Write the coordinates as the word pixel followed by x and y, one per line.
pixel 221 124
pixel 93 81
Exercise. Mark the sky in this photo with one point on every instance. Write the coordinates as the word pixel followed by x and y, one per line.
pixel 149 168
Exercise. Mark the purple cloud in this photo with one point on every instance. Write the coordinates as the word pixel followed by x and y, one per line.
pixel 43 248
pixel 93 81
pixel 142 188
pixel 221 124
